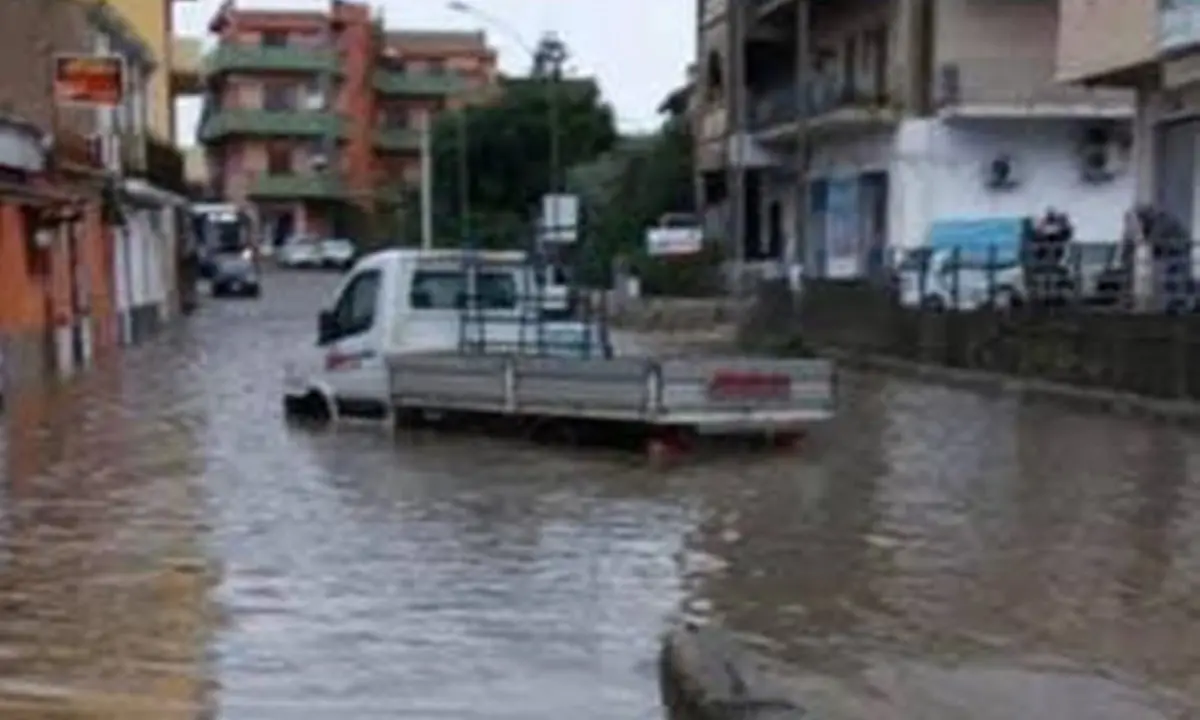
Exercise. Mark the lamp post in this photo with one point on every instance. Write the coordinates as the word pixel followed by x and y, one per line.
pixel 549 58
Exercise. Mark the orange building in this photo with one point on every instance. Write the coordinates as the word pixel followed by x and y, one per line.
pixel 306 111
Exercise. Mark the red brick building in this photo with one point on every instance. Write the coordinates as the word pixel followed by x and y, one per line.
pixel 306 111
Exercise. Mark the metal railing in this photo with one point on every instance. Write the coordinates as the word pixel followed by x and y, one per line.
pixel 1115 276
pixel 788 103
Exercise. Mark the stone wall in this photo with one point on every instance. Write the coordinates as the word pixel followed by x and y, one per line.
pixel 665 314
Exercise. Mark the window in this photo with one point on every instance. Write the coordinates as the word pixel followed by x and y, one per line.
pixel 436 67
pixel 355 309
pixel 278 97
pixel 274 38
pixel 279 160
pixel 447 290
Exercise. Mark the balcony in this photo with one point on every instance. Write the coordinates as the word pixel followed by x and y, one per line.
pixel 831 104
pixel 310 186
pixel 262 58
pixel 409 84
pixel 775 110
pixel 1020 87
pixel 1108 42
pixel 1178 25
pixel 398 139
pixel 223 124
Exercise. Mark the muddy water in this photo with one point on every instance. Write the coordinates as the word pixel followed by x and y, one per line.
pixel 171 549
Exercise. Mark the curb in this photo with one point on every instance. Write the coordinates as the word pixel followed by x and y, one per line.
pixel 1181 412
pixel 705 674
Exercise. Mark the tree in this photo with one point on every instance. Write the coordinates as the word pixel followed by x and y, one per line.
pixel 628 190
pixel 504 151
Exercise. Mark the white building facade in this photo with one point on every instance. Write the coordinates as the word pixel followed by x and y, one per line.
pixel 865 128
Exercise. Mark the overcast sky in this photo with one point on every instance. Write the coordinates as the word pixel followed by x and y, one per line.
pixel 638 48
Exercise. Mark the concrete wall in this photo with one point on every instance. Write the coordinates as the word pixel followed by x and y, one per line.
pixel 936 172
pixel 1006 54
pixel 1096 37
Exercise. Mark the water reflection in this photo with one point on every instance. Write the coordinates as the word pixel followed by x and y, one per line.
pixel 953 555
pixel 104 586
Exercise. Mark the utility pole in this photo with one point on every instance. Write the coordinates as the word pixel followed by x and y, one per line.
pixel 548 62
pixel 426 181
pixel 736 146
pixel 464 175
pixel 552 56
pixel 328 163
pixel 800 251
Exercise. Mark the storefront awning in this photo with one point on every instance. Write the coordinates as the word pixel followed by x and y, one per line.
pixel 142 192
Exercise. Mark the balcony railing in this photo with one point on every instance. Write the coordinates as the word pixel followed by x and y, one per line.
pixel 262 58
pixel 774 107
pixel 297 186
pixel 784 104
pixel 220 124
pixel 829 95
pixel 1016 83
pixel 392 82
pixel 398 139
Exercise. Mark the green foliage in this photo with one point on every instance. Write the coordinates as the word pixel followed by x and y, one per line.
pixel 696 275
pixel 625 192
pixel 504 150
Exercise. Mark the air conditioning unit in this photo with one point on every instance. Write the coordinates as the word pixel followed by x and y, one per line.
pixel 949 85
pixel 1000 173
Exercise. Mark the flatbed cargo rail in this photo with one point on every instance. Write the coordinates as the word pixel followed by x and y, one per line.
pixel 718 395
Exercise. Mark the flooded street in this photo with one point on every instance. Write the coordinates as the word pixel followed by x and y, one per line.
pixel 171 549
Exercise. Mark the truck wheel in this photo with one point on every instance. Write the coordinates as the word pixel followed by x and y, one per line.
pixel 311 407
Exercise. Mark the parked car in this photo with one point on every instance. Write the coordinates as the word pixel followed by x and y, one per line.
pixel 935 280
pixel 555 290
pixel 207 267
pixel 236 274
pixel 299 252
pixel 337 253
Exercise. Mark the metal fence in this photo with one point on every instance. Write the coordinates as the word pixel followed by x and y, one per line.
pixel 1118 276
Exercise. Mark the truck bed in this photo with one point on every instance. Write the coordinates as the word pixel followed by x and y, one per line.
pixel 711 394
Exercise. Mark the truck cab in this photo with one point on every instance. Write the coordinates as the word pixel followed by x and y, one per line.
pixel 403 302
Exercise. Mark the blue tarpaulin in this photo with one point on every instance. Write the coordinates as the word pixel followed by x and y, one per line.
pixel 980 240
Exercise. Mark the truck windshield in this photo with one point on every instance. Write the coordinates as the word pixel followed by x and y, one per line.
pixel 448 290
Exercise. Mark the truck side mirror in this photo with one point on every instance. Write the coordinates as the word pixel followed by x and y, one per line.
pixel 326 327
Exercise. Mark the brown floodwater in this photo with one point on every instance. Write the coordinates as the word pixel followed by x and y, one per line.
pixel 170 548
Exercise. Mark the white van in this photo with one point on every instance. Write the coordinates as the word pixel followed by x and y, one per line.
pixel 928 279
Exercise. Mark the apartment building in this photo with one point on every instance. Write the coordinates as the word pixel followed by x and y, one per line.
pixel 1150 48
pixel 831 134
pixel 306 111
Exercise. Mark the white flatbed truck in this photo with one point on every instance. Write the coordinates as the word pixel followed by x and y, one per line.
pixel 414 332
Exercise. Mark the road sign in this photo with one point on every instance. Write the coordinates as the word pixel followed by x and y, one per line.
pixel 559 221
pixel 92 80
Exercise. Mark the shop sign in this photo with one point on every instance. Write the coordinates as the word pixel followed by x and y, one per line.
pixel 91 80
